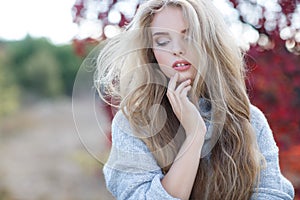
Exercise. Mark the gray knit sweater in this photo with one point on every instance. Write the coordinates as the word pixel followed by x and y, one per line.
pixel 132 173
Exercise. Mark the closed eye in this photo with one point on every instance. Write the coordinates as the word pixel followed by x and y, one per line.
pixel 162 43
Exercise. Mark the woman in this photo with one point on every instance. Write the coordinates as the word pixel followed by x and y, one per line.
pixel 185 128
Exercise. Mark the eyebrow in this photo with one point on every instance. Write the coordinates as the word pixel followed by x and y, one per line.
pixel 167 33
pixel 160 33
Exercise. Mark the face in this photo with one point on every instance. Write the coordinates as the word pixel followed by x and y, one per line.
pixel 169 35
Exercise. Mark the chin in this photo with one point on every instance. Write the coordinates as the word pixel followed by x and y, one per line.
pixel 183 77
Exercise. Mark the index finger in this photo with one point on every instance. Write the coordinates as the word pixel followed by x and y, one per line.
pixel 172 82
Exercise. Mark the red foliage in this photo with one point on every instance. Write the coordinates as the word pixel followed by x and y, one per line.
pixel 81 46
pixel 274 82
pixel 77 9
pixel 288 6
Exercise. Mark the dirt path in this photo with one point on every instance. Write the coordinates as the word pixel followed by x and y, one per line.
pixel 43 156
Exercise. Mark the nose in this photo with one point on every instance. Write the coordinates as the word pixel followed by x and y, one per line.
pixel 178 49
pixel 177 53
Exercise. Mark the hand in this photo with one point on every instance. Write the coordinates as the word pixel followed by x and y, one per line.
pixel 184 109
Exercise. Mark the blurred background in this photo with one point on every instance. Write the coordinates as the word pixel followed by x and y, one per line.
pixel 54 132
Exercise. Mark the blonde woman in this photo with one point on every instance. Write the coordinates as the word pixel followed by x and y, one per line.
pixel 185 128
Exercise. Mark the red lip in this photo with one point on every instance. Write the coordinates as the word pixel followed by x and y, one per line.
pixel 181 65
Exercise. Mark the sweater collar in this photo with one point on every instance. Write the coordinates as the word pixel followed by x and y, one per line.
pixel 213 129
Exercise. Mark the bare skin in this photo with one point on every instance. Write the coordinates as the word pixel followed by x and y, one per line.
pixel 184 169
pixel 169 47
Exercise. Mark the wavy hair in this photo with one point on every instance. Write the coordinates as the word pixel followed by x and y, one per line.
pixel 128 73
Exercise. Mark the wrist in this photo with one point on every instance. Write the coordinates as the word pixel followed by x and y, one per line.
pixel 195 138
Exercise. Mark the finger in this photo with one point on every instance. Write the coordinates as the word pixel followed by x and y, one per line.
pixel 172 82
pixel 182 85
pixel 175 103
pixel 185 91
pixel 177 96
pixel 172 101
pixel 171 88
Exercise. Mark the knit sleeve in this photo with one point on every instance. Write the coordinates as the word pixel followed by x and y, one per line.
pixel 131 171
pixel 273 185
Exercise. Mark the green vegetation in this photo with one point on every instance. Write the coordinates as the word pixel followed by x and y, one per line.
pixel 35 68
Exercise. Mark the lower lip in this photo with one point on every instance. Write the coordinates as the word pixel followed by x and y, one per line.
pixel 182 68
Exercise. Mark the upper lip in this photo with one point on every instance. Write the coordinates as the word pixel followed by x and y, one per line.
pixel 180 62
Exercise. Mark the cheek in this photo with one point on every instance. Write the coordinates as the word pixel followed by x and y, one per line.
pixel 162 57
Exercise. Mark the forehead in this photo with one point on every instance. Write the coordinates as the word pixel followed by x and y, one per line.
pixel 169 18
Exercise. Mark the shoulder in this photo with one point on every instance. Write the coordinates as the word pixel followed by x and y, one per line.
pixel 273 185
pixel 128 152
pixel 264 134
pixel 258 120
pixel 123 136
pixel 257 117
pixel 121 127
pixel 120 121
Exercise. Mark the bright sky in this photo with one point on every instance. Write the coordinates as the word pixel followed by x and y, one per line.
pixel 39 18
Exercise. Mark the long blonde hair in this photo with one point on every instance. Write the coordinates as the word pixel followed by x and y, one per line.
pixel 128 72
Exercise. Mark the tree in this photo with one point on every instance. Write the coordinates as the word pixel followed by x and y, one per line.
pixel 9 98
pixel 42 75
pixel 40 68
pixel 68 64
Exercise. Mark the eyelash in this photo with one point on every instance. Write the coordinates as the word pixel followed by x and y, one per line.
pixel 162 43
